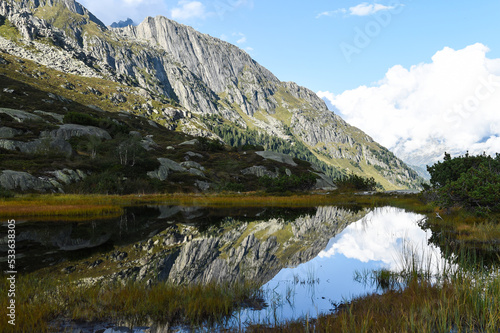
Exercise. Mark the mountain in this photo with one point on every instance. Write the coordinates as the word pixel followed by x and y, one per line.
pixel 122 24
pixel 195 84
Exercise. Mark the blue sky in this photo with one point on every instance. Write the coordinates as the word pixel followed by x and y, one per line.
pixel 293 40
pixel 415 75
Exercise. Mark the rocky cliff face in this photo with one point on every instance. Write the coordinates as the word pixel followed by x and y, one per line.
pixel 204 75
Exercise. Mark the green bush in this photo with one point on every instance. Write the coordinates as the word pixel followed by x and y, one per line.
pixel 358 183
pixel 113 127
pixel 472 182
pixel 205 144
pixel 231 187
pixel 5 193
pixel 285 183
pixel 80 119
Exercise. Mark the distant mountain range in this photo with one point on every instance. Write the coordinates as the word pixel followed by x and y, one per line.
pixel 122 24
pixel 192 83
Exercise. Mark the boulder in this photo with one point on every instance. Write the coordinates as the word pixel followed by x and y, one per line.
pixel 21 116
pixel 203 186
pixel 259 171
pixel 191 154
pixel 192 164
pixel 167 166
pixel 171 165
pixel 68 176
pixel 56 116
pixel 19 180
pixel 8 133
pixel 190 142
pixel 67 131
pixel 38 146
pixel 196 172
pixel 324 182
pixel 282 158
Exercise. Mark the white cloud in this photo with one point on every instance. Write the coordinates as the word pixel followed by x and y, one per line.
pixel 332 12
pixel 383 235
pixel 186 10
pixel 365 9
pixel 242 38
pixel 449 104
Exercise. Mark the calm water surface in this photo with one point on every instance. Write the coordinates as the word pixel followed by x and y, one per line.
pixel 305 258
pixel 376 241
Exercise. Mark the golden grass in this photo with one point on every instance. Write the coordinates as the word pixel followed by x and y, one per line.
pixel 40 301
pixel 461 302
pixel 105 205
pixel 25 210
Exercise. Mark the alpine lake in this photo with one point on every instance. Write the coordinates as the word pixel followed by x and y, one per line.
pixel 302 262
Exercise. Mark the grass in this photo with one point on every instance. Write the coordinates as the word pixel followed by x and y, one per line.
pixel 453 300
pixel 58 205
pixel 105 205
pixel 42 302
pixel 8 30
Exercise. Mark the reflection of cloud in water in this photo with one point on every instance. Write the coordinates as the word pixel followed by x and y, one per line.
pixel 377 241
pixel 382 235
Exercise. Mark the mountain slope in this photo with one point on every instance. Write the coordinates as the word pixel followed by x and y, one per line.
pixel 198 75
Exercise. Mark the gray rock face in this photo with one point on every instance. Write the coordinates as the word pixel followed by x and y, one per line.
pixel 8 133
pixel 38 146
pixel 52 181
pixel 259 171
pixel 67 131
pixel 196 172
pixel 167 166
pixel 68 176
pixel 324 183
pixel 20 116
pixel 282 158
pixel 196 155
pixel 192 164
pixel 56 116
pixel 203 186
pixel 18 180
pixel 189 142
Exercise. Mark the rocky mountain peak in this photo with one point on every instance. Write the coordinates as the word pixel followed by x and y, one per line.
pixel 122 24
pixel 204 76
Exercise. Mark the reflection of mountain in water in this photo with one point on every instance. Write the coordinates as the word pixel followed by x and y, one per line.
pixel 185 244
pixel 255 250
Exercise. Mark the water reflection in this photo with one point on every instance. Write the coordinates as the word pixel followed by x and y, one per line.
pixel 378 240
pixel 304 257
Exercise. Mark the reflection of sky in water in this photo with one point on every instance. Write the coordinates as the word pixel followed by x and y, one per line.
pixel 375 242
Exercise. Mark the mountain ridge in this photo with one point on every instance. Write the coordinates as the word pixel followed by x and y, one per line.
pixel 202 75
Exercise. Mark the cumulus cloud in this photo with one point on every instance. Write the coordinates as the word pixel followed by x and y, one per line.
pixel 241 37
pixel 383 235
pixel 451 104
pixel 332 12
pixel 186 10
pixel 363 9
